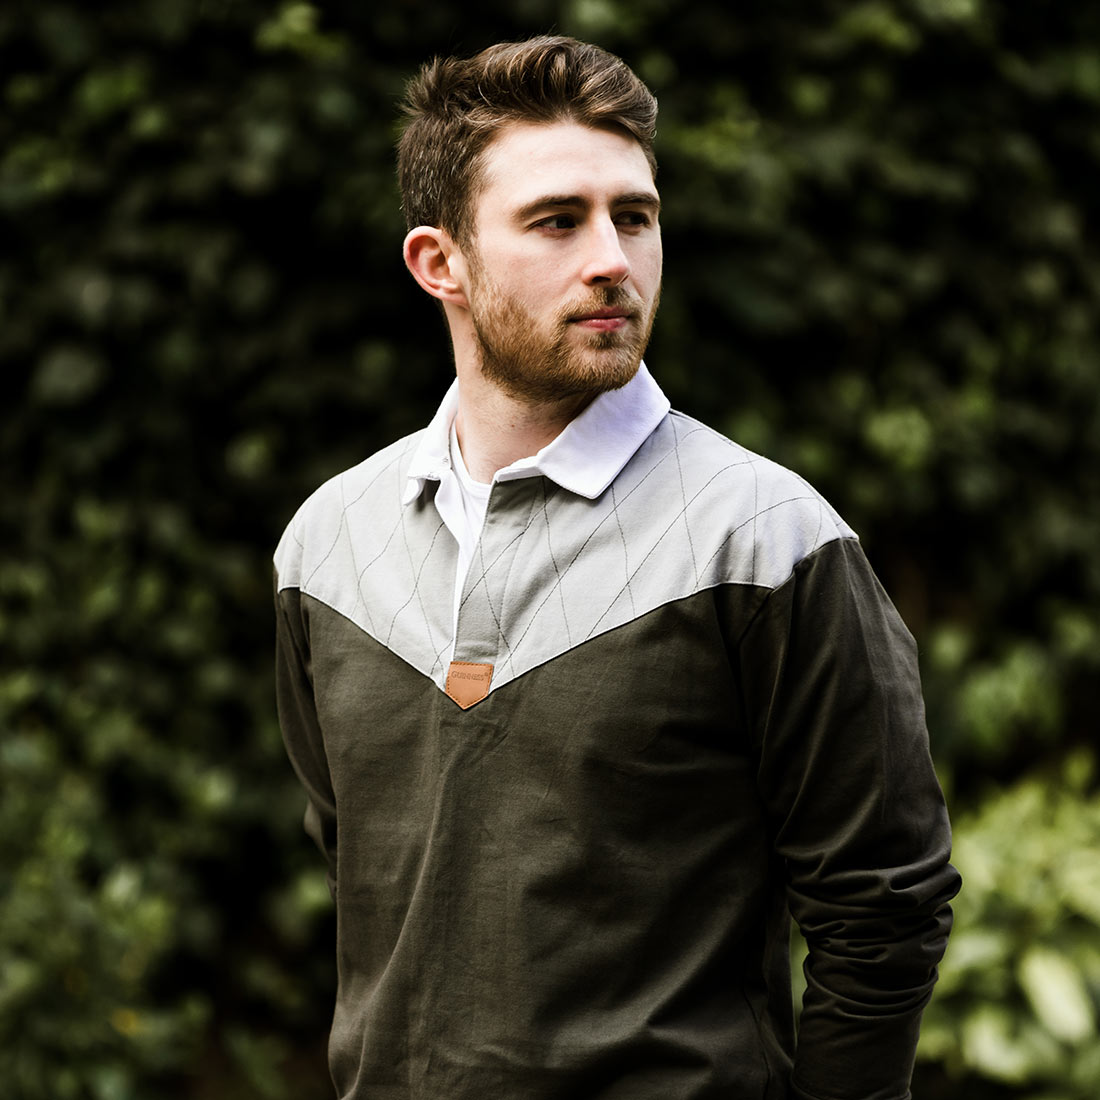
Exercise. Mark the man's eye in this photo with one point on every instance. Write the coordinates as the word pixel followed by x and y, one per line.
pixel 559 221
pixel 634 218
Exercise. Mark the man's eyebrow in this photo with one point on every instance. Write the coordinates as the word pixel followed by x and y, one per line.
pixel 558 202
pixel 639 198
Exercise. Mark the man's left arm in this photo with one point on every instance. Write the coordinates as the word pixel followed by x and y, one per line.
pixel 857 816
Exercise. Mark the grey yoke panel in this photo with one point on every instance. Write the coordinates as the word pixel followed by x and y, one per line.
pixel 388 568
pixel 691 510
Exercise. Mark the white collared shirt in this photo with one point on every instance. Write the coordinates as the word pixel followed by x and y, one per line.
pixel 584 458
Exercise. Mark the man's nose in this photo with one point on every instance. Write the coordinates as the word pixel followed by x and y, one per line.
pixel 606 263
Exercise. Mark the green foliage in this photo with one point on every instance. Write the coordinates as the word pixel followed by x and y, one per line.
pixel 1019 994
pixel 878 270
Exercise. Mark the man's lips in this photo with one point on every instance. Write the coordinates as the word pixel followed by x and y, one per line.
pixel 603 320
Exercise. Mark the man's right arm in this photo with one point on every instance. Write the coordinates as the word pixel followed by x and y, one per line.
pixel 299 722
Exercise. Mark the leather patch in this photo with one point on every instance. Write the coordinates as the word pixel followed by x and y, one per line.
pixel 468 683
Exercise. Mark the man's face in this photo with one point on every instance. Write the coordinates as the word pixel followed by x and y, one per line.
pixel 565 267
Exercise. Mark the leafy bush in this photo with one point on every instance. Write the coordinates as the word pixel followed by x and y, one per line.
pixel 1019 995
pixel 878 271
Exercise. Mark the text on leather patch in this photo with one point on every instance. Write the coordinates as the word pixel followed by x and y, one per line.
pixel 468 683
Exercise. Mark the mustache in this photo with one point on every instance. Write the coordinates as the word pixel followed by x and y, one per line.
pixel 605 297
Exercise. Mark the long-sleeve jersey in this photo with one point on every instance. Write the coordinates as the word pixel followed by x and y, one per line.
pixel 564 863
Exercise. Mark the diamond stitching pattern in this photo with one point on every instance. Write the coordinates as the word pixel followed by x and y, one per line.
pixel 690 511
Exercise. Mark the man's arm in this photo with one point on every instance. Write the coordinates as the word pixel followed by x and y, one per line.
pixel 300 726
pixel 857 815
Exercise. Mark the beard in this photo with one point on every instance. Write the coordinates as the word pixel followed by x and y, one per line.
pixel 541 362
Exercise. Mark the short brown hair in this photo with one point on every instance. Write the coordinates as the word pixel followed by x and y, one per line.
pixel 457 106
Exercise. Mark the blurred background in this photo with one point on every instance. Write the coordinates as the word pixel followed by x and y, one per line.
pixel 882 270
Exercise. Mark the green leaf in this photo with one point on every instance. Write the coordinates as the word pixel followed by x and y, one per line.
pixel 1058 996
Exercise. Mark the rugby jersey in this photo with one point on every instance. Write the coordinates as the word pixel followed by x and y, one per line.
pixel 564 860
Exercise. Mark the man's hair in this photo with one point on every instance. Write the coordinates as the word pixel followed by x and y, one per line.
pixel 457 106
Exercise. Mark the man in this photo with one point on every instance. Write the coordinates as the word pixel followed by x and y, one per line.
pixel 587 699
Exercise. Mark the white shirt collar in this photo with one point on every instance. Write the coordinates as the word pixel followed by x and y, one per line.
pixel 584 458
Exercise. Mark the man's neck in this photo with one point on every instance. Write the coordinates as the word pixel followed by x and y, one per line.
pixel 494 430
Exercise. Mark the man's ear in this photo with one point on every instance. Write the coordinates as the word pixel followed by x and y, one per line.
pixel 436 263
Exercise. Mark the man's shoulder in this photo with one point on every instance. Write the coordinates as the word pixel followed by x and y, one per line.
pixel 734 498
pixel 376 484
pixel 718 457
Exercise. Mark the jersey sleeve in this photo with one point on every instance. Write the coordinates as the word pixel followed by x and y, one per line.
pixel 300 726
pixel 856 816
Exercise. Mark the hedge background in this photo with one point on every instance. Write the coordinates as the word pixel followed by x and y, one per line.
pixel 881 269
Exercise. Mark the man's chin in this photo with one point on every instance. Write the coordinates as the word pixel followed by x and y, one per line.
pixel 600 377
pixel 576 384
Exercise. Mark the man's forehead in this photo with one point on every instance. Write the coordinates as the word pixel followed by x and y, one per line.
pixel 527 159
